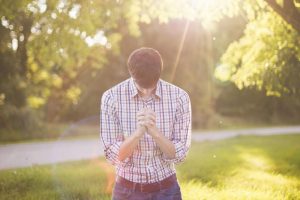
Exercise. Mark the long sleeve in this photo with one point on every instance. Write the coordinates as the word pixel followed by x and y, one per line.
pixel 181 135
pixel 110 129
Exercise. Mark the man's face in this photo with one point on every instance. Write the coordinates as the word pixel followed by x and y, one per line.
pixel 145 91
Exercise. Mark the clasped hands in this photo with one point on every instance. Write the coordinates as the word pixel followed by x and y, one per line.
pixel 146 121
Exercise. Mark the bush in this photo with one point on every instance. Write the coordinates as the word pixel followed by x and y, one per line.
pixel 18 122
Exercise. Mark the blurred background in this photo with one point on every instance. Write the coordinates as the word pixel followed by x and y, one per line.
pixel 238 60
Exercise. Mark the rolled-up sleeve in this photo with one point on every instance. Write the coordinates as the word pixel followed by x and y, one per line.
pixel 110 129
pixel 181 135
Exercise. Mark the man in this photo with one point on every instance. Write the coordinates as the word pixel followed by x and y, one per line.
pixel 145 130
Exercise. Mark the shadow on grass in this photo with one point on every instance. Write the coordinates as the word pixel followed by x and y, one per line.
pixel 283 152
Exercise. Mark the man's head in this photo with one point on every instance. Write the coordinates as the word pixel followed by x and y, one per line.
pixel 145 66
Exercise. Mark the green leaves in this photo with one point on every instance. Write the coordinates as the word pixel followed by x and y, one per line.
pixel 50 48
pixel 266 57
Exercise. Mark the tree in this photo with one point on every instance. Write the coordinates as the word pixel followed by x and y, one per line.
pixel 46 45
pixel 266 57
pixel 289 11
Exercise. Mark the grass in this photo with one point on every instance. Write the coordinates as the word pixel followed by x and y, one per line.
pixel 247 167
pixel 74 180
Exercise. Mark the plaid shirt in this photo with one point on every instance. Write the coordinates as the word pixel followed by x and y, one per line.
pixel 119 106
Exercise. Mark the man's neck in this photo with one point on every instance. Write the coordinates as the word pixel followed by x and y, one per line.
pixel 145 96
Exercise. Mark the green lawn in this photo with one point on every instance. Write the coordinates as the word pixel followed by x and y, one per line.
pixel 248 167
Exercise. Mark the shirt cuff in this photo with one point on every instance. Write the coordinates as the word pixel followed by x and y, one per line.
pixel 112 154
pixel 180 153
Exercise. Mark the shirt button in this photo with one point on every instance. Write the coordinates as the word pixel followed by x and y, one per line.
pixel 126 135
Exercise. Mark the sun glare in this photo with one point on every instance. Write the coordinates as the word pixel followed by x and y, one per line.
pixel 210 11
pixel 211 8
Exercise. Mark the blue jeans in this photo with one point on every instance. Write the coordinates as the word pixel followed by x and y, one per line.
pixel 171 193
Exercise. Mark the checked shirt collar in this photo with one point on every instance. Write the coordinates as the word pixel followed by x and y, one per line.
pixel 134 91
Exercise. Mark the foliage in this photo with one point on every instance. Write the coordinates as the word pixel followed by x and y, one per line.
pixel 251 105
pixel 267 56
pixel 58 56
pixel 24 119
pixel 289 10
pixel 44 46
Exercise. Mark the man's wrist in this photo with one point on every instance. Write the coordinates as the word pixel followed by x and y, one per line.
pixel 139 132
pixel 154 132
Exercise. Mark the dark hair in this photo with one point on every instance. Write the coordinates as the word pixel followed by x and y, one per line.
pixel 145 66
